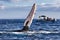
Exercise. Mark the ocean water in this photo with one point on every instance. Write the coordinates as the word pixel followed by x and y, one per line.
pixel 17 24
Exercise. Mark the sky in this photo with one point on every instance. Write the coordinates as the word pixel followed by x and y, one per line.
pixel 12 9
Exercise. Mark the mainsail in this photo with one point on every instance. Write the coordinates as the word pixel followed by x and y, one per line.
pixel 30 17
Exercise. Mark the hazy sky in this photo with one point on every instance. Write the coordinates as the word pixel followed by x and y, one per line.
pixel 26 2
pixel 7 10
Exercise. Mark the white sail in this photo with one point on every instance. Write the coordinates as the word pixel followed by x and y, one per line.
pixel 30 17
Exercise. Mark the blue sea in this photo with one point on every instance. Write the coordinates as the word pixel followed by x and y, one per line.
pixel 17 24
